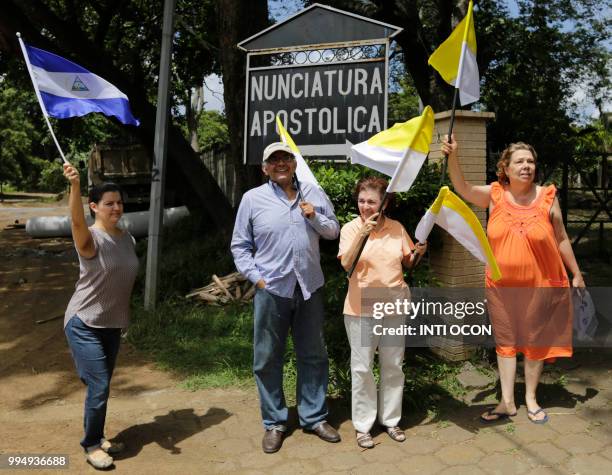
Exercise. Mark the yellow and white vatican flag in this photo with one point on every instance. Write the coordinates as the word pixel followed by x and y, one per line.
pixel 398 152
pixel 455 59
pixel 452 214
pixel 303 172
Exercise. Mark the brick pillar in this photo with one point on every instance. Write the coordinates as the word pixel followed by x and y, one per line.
pixel 452 264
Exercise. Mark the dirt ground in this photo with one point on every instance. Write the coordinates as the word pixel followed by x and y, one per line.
pixel 41 398
pixel 175 431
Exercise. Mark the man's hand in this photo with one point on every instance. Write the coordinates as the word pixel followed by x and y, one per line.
pixel 261 284
pixel 308 210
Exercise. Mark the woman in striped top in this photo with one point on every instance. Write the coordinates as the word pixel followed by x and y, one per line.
pixel 99 307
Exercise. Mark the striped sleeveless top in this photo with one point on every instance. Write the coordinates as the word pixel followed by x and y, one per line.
pixel 102 295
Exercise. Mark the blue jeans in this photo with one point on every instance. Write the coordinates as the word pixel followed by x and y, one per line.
pixel 94 351
pixel 273 317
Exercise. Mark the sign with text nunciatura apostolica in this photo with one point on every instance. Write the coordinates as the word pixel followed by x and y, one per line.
pixel 324 72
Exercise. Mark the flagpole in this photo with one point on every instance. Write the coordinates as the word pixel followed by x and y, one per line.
pixel 38 96
pixel 457 85
pixel 450 132
pixel 298 187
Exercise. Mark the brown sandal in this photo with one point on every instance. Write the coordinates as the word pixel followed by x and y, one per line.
pixel 365 441
pixel 396 434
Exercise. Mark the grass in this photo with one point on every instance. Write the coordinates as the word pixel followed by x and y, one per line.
pixel 206 346
pixel 561 381
pixel 430 382
pixel 510 428
pixel 212 346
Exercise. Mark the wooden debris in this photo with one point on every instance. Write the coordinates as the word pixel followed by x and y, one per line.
pixel 45 320
pixel 249 294
pixel 222 290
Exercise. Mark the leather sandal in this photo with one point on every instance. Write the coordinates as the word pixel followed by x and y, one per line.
pixel 365 441
pixel 397 434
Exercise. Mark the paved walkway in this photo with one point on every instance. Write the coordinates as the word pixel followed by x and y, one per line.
pixel 577 439
pixel 174 431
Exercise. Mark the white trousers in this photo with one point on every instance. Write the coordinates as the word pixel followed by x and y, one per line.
pixel 364 342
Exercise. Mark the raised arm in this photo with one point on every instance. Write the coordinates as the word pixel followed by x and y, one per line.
pixel 83 240
pixel 480 195
pixel 565 246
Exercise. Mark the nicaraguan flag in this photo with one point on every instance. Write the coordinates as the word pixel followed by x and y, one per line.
pixel 398 152
pixel 455 59
pixel 452 214
pixel 69 90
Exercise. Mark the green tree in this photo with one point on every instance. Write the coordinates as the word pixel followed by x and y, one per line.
pixel 236 21
pixel 120 40
pixel 404 103
pixel 212 131
pixel 549 49
pixel 529 65
pixel 16 138
pixel 426 25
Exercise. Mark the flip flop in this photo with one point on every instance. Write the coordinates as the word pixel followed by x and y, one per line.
pixel 501 416
pixel 535 413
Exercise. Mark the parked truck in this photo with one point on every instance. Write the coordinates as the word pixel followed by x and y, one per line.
pixel 126 164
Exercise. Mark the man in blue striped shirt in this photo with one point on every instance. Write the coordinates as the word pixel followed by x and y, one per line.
pixel 275 244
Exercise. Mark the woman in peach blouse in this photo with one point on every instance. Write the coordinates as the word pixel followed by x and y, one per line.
pixel 529 306
pixel 387 251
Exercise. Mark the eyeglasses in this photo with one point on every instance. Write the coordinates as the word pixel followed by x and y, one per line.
pixel 285 158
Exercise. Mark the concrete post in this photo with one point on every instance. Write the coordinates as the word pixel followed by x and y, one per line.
pixel 452 264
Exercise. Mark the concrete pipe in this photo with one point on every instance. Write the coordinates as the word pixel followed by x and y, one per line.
pixel 137 224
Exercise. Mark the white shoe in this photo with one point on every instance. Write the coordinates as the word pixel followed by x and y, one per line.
pixel 112 447
pixel 99 459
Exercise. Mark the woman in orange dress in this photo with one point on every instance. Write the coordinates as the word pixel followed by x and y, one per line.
pixel 529 306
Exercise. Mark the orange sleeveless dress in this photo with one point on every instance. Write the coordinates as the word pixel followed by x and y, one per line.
pixel 530 306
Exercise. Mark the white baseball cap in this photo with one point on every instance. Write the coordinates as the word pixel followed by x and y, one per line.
pixel 276 147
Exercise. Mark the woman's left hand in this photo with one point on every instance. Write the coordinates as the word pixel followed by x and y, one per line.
pixel 578 281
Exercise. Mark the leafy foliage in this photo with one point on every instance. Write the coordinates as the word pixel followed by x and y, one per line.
pixel 548 49
pixel 16 136
pixel 212 131
pixel 403 104
pixel 339 180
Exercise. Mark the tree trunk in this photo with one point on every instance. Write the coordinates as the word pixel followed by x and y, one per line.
pixel 194 107
pixel 237 21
